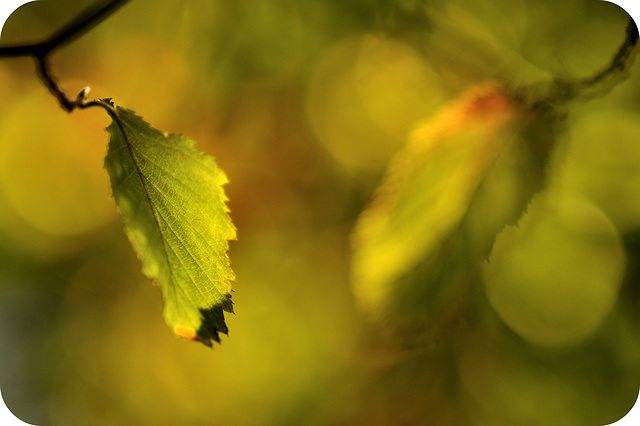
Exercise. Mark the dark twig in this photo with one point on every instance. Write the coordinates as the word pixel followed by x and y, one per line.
pixel 40 51
pixel 620 61
pixel 562 90
pixel 49 81
pixel 80 24
pixel 606 79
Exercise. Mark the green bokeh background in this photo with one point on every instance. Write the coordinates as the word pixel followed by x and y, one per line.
pixel 303 103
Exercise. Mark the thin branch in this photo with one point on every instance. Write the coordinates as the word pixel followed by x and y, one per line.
pixel 562 90
pixel 45 74
pixel 605 80
pixel 41 51
pixel 83 22
pixel 620 61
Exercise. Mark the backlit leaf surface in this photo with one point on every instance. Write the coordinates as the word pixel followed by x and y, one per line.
pixel 173 206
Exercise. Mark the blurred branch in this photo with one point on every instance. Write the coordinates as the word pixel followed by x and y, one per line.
pixel 605 80
pixel 621 61
pixel 562 90
pixel 41 51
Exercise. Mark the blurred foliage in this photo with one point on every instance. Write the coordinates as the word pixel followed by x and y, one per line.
pixel 303 104
pixel 462 177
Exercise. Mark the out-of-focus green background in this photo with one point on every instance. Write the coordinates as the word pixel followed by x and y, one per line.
pixel 303 103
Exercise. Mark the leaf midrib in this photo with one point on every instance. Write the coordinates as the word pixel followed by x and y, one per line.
pixel 120 123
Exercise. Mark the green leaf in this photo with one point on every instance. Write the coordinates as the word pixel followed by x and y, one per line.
pixel 173 206
pixel 463 176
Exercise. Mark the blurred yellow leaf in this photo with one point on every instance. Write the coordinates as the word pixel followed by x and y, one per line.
pixel 462 177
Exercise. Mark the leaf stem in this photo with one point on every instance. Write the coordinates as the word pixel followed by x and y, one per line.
pixel 40 51
pixel 105 104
